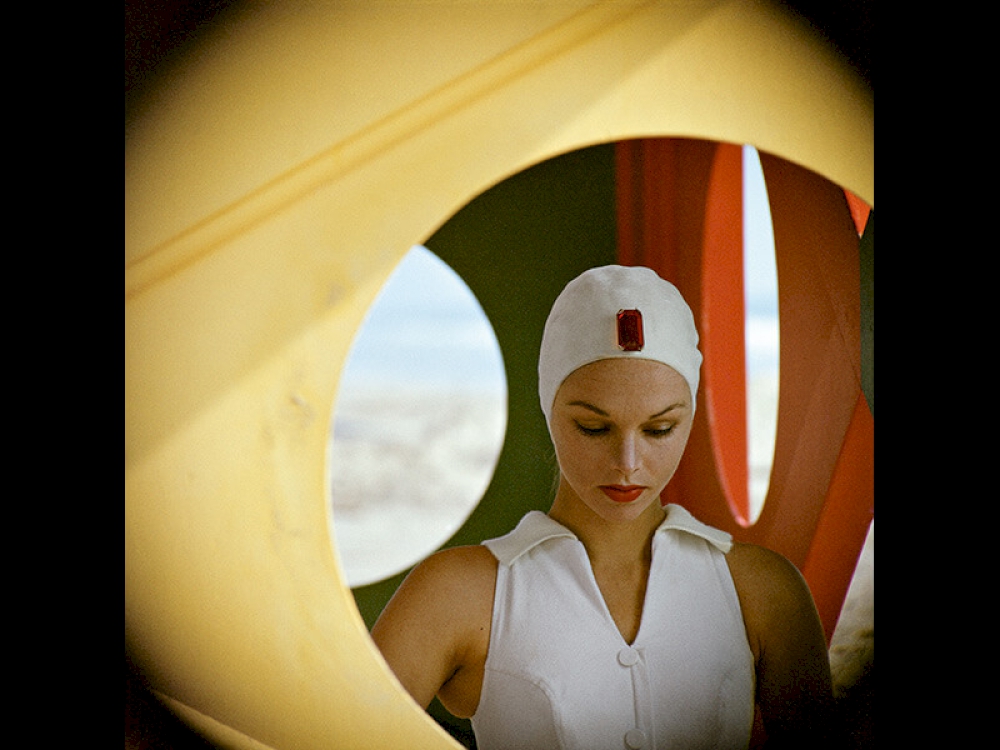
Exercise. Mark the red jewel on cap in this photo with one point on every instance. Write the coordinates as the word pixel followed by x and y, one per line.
pixel 630 330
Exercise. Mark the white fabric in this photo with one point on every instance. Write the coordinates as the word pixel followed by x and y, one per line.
pixel 559 675
pixel 582 327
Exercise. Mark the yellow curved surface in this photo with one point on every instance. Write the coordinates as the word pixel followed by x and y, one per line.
pixel 271 187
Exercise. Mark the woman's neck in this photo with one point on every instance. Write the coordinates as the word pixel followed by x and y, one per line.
pixel 613 542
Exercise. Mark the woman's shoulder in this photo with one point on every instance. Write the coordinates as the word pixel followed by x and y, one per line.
pixel 449 592
pixel 469 559
pixel 465 572
pixel 754 561
pixel 772 592
pixel 437 624
pixel 759 572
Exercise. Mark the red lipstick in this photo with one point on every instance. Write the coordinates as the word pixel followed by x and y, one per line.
pixel 623 493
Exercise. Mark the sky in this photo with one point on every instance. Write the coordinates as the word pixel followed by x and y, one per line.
pixel 759 272
pixel 426 328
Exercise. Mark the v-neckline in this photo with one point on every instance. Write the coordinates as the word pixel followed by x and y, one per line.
pixel 608 616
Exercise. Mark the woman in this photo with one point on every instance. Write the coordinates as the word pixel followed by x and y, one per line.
pixel 612 621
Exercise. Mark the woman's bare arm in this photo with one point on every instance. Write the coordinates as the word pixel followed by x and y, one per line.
pixel 434 632
pixel 794 690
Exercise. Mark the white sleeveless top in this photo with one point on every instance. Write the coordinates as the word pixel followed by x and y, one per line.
pixel 559 675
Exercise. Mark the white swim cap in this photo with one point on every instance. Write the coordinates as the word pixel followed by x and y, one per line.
pixel 617 312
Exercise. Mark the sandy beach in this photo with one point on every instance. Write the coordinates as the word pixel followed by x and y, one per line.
pixel 407 468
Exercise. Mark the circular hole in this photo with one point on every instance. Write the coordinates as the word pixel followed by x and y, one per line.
pixel 419 421
pixel 760 279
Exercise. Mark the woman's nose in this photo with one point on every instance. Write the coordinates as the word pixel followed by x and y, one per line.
pixel 626 458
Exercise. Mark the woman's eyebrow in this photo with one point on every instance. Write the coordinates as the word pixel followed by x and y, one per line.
pixel 601 412
pixel 591 407
pixel 678 405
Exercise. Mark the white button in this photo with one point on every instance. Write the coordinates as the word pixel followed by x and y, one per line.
pixel 635 739
pixel 628 656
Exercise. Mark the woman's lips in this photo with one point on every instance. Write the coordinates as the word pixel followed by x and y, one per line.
pixel 622 493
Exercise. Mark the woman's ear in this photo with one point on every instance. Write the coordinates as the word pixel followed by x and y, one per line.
pixel 556 473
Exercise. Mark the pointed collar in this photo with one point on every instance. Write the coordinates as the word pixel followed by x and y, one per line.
pixel 536 527
pixel 678 519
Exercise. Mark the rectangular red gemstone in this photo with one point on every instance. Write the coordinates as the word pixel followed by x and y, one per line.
pixel 630 337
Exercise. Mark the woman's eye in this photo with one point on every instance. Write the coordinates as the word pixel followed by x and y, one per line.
pixel 586 430
pixel 660 431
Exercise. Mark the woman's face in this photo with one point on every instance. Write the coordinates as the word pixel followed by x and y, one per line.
pixel 620 427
